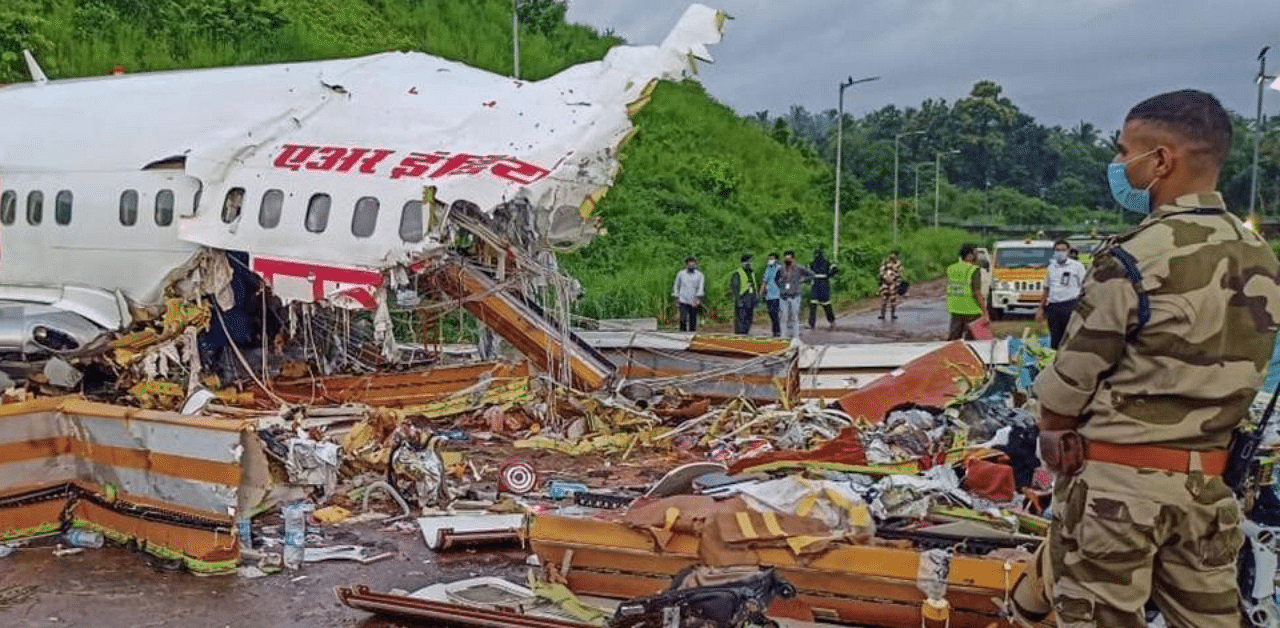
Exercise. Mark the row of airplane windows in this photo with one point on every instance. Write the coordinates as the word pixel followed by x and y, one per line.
pixel 64 200
pixel 363 220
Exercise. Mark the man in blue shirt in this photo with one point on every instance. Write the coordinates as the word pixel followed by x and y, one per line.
pixel 769 290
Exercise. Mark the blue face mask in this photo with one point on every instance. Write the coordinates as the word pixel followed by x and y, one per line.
pixel 1130 198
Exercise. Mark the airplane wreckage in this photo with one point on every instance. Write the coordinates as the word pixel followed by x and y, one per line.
pixel 222 294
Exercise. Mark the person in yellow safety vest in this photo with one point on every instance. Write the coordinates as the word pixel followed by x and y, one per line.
pixel 964 294
pixel 742 286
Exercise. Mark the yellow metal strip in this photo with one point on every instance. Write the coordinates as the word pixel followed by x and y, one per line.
pixel 771 524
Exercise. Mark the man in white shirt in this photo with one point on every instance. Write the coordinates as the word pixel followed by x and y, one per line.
pixel 1061 290
pixel 688 290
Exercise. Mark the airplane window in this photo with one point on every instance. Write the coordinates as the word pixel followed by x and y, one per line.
pixel 231 205
pixel 8 207
pixel 411 222
pixel 269 211
pixel 365 218
pixel 318 213
pixel 62 208
pixel 35 207
pixel 129 208
pixel 164 208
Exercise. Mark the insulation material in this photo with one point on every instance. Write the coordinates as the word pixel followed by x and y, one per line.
pixel 165 481
pixel 313 463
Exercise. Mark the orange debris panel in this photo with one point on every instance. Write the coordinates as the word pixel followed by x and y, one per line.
pixel 933 379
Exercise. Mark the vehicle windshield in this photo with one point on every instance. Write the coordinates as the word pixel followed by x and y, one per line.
pixel 1023 257
pixel 1086 246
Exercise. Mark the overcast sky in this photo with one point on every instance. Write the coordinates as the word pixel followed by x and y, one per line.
pixel 1062 61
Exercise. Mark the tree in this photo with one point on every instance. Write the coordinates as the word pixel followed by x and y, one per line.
pixel 541 16
pixel 984 118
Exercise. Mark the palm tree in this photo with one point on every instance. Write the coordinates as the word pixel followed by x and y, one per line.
pixel 1085 133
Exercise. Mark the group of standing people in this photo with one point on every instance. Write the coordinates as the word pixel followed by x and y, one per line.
pixel 967 290
pixel 780 286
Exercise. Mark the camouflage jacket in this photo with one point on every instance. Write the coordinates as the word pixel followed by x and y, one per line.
pixel 1186 379
pixel 890 272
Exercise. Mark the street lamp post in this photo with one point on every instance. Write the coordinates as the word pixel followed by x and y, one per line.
pixel 835 223
pixel 515 38
pixel 897 140
pixel 917 190
pixel 1257 128
pixel 937 179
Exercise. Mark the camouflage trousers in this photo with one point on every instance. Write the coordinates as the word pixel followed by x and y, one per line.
pixel 1122 535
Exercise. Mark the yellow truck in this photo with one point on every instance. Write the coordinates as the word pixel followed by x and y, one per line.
pixel 1017 276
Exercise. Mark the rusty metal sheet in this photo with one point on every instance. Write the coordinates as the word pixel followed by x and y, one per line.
pixel 396 390
pixel 361 597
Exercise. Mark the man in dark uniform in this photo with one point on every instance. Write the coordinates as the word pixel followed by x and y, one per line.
pixel 820 292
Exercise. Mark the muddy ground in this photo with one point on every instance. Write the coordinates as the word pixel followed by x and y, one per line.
pixel 922 316
pixel 113 588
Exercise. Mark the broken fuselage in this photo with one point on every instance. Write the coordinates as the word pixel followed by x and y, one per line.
pixel 327 174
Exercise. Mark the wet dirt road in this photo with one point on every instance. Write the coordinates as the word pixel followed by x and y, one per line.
pixel 114 588
pixel 922 315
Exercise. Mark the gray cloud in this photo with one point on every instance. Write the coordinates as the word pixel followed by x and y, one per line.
pixel 1061 61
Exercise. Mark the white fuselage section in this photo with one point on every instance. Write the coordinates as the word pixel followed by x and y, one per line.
pixel 109 186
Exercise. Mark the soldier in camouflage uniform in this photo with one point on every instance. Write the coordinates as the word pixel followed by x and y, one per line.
pixel 1159 363
pixel 890 275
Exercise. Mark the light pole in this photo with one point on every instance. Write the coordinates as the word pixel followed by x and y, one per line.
pixel 897 140
pixel 917 192
pixel 835 223
pixel 515 38
pixel 1257 127
pixel 937 178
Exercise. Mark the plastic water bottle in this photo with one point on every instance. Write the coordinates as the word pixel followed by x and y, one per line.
pixel 244 530
pixel 77 537
pixel 295 534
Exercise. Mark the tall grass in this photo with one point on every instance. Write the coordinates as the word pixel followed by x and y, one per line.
pixel 85 38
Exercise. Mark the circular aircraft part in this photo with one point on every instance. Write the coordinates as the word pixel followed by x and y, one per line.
pixel 517 476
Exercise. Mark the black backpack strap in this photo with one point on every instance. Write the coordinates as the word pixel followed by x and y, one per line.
pixel 1131 271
